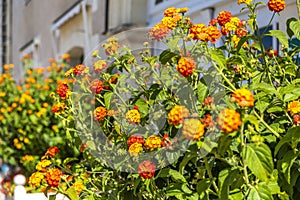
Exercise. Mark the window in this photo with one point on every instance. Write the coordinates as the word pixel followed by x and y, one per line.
pixel 158 1
pixel 268 41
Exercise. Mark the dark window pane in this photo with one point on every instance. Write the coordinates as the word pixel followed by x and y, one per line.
pixel 158 1
pixel 267 41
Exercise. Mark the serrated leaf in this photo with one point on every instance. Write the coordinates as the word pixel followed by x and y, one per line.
pixel 280 35
pixel 292 137
pixel 259 160
pixel 218 56
pixel 260 192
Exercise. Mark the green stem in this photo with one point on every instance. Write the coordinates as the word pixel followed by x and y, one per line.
pixel 210 175
pixel 266 125
pixel 243 156
pixel 224 77
pixel 298 6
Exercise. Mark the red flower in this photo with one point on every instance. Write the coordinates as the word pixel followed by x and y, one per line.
pixel 296 119
pixel 80 69
pixel 224 17
pixel 63 90
pixel 96 86
pixel 146 169
pixel 52 151
pixel 135 139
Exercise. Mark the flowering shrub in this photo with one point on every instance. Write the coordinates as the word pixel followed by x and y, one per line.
pixel 204 119
pixel 27 120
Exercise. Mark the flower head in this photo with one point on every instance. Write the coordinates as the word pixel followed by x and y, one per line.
pixel 294 107
pixel 35 179
pixel 58 108
pixel 153 142
pixel 135 149
pixel 192 129
pixel 159 32
pixel 96 86
pixel 146 169
pixel 78 186
pixel 53 176
pixel 170 22
pixel 186 66
pixel 243 97
pixel 244 1
pixel 41 166
pixel 229 120
pixel 99 113
pixel 135 139
pixel 177 115
pixel 133 116
pixel 80 69
pixel 170 12
pixel 63 90
pixel 276 5
pixel 52 151
pixel 198 32
pixel 224 17
pixel 99 66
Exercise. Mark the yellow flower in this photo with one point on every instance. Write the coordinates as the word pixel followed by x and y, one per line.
pixel 133 116
pixel 27 158
pixel 42 165
pixel 78 186
pixel 192 129
pixel 244 1
pixel 294 107
pixel 2 94
pixel 95 53
pixel 229 120
pixel 35 179
pixel 135 148
pixel 153 142
pixel 243 97
pixel 177 115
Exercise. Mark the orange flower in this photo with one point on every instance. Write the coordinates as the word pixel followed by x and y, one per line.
pixel 243 97
pixel 153 142
pixel 133 116
pixel 229 120
pixel 99 113
pixel 52 151
pixel 99 66
pixel 213 34
pixel 135 139
pixel 135 149
pixel 198 32
pixel 159 32
pixel 96 86
pixel 63 90
pixel 53 177
pixel 276 5
pixel 80 69
pixel 58 108
pixel 294 107
pixel 192 129
pixel 207 121
pixel 224 17
pixel 177 114
pixel 146 169
pixel 186 66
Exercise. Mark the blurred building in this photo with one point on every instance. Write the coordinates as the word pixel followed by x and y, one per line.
pixel 44 29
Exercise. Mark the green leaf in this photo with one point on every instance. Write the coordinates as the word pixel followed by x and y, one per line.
pixel 253 120
pixel 261 106
pixel 202 91
pixel 177 177
pixel 173 43
pixel 202 186
pixel 280 35
pixel 292 137
pixel 218 56
pixel 68 160
pixel 226 177
pixel 166 56
pixel 260 192
pixel 288 29
pixel 259 160
pixel 107 99
pixel 295 27
pixel 142 106
pixel 71 192
pixel 275 109
pixel 287 162
pixel 52 197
